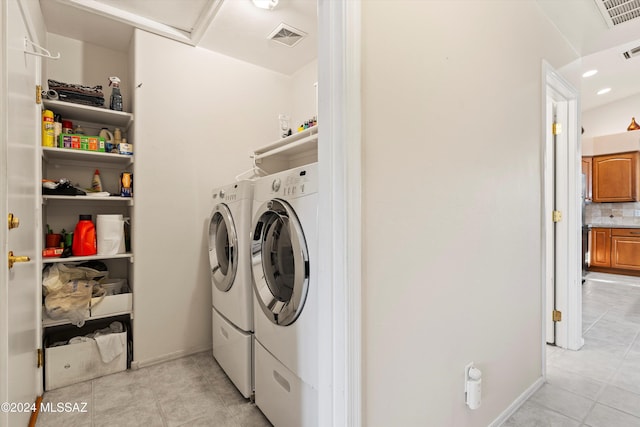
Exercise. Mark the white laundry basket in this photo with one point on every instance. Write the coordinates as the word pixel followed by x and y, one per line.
pixel 110 234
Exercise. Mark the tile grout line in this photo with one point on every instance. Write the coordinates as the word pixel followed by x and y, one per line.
pixel 595 321
pixel 610 380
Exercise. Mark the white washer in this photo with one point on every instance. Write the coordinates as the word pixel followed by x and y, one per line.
pixel 230 261
pixel 284 270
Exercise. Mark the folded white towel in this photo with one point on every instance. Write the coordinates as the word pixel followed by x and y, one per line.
pixel 110 346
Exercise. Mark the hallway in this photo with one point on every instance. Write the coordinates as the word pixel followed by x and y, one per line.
pixel 598 386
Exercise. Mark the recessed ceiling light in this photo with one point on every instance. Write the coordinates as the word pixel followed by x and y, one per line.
pixel 603 91
pixel 590 73
pixel 265 4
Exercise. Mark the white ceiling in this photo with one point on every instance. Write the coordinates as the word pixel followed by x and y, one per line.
pixel 599 47
pixel 236 28
pixel 232 27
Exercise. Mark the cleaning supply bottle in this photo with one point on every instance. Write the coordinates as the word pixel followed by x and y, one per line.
pixel 108 139
pixel 116 96
pixel 57 128
pixel 84 237
pixel 96 183
pixel 117 136
pixel 47 129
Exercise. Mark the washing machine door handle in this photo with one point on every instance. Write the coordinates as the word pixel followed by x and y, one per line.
pixel 223 248
pixel 280 262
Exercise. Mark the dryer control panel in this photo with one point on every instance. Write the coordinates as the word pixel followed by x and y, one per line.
pixel 234 192
pixel 298 184
pixel 223 196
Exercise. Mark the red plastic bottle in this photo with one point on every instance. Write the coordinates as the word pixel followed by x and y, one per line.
pixel 84 237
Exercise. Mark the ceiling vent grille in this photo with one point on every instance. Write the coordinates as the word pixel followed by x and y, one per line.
pixel 616 12
pixel 287 35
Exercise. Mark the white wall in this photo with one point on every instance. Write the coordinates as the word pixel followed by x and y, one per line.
pixel 452 205
pixel 304 104
pixel 198 115
pixel 611 118
pixel 88 64
pixel 37 21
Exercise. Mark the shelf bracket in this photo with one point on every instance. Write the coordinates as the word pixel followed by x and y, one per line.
pixel 44 53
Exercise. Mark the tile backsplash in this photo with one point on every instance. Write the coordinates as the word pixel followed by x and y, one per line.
pixel 612 213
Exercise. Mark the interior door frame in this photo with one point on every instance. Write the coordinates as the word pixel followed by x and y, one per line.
pixel 4 270
pixel 339 212
pixel 568 274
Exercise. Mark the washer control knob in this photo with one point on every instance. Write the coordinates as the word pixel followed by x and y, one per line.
pixel 275 185
pixel 222 194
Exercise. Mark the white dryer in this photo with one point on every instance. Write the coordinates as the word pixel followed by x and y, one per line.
pixel 284 270
pixel 229 258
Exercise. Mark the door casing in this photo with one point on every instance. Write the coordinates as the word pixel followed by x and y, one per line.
pixel 568 276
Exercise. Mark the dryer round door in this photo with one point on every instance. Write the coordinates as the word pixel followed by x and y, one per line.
pixel 223 248
pixel 280 262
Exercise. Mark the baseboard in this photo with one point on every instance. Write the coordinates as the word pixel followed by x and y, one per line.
pixel 137 364
pixel 504 416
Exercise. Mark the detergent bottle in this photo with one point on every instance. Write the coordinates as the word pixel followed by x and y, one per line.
pixel 84 237
pixel 116 96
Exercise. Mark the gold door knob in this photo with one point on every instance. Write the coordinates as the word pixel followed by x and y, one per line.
pixel 14 222
pixel 13 259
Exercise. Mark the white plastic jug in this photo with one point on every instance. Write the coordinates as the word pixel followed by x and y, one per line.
pixel 110 234
pixel 108 136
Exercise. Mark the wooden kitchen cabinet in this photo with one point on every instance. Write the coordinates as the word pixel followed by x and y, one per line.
pixel 600 247
pixel 616 177
pixel 586 170
pixel 625 248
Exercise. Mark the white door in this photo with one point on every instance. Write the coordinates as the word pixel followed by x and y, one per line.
pixel 21 289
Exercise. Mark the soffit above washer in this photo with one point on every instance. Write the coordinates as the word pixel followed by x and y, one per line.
pixel 182 15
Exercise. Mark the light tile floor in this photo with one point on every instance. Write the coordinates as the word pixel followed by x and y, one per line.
pixel 191 391
pixel 599 385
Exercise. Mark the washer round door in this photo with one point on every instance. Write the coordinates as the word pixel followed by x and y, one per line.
pixel 280 262
pixel 223 248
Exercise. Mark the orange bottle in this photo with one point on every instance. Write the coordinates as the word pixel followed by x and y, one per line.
pixel 84 237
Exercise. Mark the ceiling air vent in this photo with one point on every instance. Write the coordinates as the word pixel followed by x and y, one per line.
pixel 631 53
pixel 616 12
pixel 287 35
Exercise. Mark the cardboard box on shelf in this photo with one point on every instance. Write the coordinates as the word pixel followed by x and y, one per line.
pixel 125 148
pixel 81 142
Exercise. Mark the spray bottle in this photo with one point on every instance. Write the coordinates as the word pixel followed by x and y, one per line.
pixel 116 97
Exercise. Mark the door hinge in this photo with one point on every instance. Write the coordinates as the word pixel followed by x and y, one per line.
pixel 556 128
pixel 38 94
pixel 557 316
pixel 557 216
pixel 40 356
